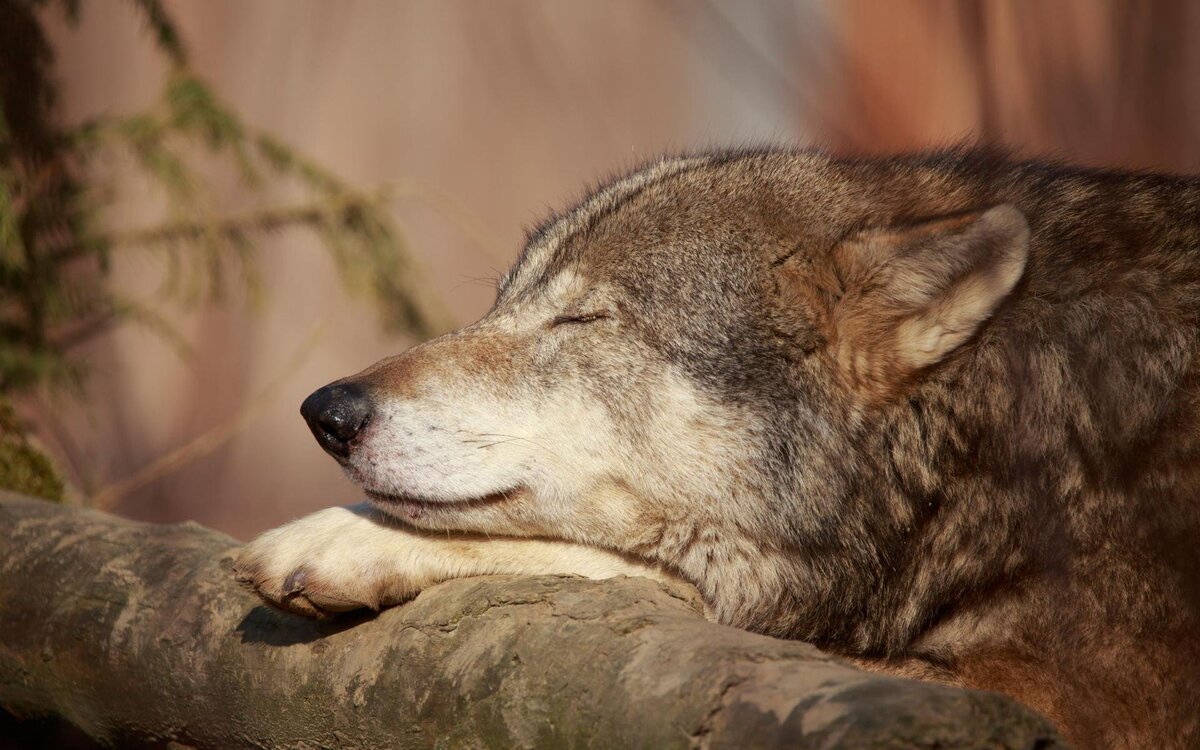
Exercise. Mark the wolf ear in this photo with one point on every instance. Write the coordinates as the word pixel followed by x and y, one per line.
pixel 907 297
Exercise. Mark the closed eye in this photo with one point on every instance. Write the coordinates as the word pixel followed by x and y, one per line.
pixel 587 318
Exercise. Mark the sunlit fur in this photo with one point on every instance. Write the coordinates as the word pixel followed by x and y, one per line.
pixel 937 413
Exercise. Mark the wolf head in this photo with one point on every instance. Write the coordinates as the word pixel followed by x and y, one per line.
pixel 684 366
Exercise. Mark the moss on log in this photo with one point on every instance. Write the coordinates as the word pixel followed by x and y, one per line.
pixel 24 468
pixel 137 635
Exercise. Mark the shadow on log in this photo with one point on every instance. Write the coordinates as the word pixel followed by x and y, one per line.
pixel 136 635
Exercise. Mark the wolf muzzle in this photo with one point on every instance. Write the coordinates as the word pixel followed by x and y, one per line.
pixel 336 414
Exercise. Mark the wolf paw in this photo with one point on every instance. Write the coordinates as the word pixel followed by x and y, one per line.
pixel 332 561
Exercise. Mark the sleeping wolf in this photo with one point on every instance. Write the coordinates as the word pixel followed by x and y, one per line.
pixel 936 413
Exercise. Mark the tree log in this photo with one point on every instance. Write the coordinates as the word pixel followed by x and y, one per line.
pixel 137 635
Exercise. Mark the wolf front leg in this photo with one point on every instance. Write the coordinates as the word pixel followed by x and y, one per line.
pixel 348 558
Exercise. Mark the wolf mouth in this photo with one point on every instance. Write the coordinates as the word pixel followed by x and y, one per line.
pixel 415 505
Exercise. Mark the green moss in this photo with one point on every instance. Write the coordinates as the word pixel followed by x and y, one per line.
pixel 23 468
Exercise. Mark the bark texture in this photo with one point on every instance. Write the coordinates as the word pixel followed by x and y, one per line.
pixel 137 635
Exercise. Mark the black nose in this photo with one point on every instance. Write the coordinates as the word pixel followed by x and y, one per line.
pixel 336 414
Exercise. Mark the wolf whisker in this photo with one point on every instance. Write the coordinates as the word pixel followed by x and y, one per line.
pixel 510 438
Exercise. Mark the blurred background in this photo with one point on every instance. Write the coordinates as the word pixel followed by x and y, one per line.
pixel 359 173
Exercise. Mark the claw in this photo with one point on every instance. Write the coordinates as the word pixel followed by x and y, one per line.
pixel 245 575
pixel 294 583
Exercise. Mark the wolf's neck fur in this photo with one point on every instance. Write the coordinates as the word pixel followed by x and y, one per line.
pixel 1049 484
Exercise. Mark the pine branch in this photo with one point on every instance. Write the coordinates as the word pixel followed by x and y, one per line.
pixel 166 35
pixel 54 183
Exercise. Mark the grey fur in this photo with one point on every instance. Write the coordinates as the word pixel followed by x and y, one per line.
pixel 1018 512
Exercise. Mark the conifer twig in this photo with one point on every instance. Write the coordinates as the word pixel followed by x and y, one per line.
pixel 209 440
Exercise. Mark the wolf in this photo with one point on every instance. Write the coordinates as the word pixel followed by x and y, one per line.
pixel 937 413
